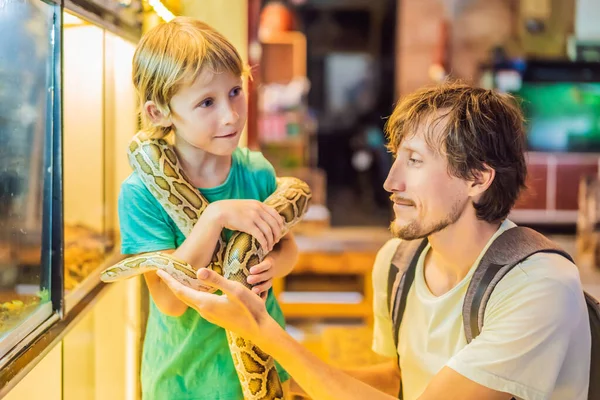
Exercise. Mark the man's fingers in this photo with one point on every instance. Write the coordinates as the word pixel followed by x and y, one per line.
pixel 213 279
pixel 232 289
pixel 179 289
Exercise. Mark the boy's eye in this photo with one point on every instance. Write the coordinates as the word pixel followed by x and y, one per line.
pixel 236 91
pixel 206 103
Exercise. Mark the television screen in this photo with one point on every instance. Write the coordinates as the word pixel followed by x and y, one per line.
pixel 561 117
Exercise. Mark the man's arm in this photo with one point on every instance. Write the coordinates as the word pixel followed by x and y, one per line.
pixel 241 311
pixel 318 379
pixel 450 385
pixel 384 376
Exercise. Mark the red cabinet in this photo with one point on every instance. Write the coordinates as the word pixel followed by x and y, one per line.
pixel 553 184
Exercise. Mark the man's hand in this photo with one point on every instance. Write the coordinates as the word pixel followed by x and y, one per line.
pixel 238 310
pixel 261 276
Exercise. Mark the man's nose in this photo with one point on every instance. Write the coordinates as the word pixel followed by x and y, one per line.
pixel 395 179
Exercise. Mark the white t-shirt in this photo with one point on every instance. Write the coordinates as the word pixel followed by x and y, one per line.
pixel 535 342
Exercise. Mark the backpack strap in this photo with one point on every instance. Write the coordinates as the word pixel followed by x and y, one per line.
pixel 508 250
pixel 400 277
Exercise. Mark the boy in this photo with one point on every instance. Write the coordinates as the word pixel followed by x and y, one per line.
pixel 189 81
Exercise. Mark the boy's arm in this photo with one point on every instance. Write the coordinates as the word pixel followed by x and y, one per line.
pixel 198 248
pixel 163 297
pixel 285 256
pixel 204 236
pixel 144 229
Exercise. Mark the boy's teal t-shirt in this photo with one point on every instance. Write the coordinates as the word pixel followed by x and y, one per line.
pixel 188 357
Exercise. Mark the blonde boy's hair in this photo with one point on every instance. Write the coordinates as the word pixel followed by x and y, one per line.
pixel 174 53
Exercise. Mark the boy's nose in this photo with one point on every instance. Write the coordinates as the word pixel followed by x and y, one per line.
pixel 230 116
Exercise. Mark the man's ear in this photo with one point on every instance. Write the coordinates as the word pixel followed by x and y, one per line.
pixel 156 116
pixel 482 181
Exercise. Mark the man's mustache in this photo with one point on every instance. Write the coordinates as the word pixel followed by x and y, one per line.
pixel 401 200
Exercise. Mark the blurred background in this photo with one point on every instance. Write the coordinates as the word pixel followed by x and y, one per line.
pixel 326 75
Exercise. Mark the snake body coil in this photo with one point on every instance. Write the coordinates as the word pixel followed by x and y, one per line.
pixel 157 164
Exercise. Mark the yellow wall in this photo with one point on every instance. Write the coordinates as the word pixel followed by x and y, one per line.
pixel 121 111
pixel 42 382
pixel 83 126
pixel 97 359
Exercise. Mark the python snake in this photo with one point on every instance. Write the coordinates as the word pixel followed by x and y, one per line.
pixel 158 166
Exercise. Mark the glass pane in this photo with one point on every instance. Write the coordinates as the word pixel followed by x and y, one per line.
pixel 27 66
pixel 87 238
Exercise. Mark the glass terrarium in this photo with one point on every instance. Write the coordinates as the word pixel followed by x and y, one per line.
pixel 29 167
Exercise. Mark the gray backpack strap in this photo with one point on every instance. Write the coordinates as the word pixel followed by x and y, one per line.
pixel 509 249
pixel 400 277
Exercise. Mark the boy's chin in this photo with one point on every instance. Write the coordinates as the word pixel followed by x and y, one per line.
pixel 225 149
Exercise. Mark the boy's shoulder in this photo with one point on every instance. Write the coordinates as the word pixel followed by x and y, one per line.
pixel 133 182
pixel 134 188
pixel 254 163
pixel 252 160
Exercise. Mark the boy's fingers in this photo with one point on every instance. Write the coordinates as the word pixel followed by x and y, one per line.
pixel 259 278
pixel 257 234
pixel 275 226
pixel 261 267
pixel 266 231
pixel 274 214
pixel 262 288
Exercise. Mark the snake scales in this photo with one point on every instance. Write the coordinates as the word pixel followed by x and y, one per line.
pixel 157 164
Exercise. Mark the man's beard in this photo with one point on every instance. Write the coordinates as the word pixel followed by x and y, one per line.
pixel 415 229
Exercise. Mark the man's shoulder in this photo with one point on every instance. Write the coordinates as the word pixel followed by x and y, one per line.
pixel 541 276
pixel 383 259
pixel 386 252
pixel 551 268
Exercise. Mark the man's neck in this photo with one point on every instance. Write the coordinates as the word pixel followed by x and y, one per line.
pixel 454 250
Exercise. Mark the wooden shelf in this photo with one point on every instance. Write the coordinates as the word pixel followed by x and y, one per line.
pixel 327 253
pixel 283 57
pixel 326 310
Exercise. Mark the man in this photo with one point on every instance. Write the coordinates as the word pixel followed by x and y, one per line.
pixel 458 171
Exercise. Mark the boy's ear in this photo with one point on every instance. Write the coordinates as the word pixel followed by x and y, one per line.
pixel 156 116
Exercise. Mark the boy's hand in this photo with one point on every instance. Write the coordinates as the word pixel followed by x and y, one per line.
pixel 261 276
pixel 251 217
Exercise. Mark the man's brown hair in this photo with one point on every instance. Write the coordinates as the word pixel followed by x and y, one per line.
pixel 479 128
